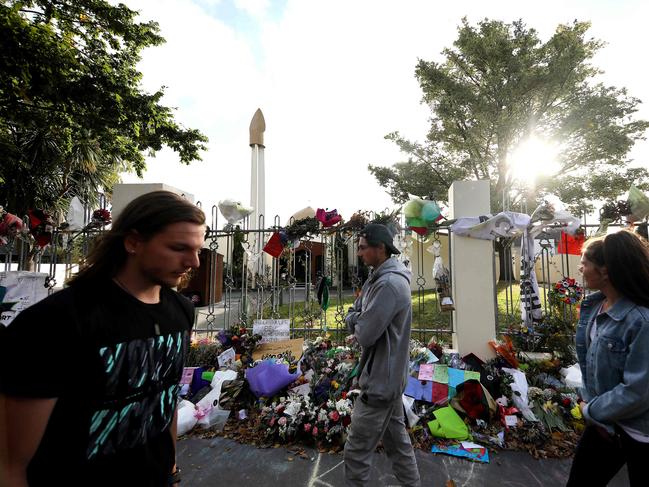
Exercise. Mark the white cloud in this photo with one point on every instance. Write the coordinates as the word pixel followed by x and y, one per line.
pixel 332 79
pixel 256 8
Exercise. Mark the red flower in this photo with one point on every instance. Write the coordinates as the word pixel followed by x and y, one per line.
pixel 347 421
pixel 334 416
pixel 344 395
pixel 314 431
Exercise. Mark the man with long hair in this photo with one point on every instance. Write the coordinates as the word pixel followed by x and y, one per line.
pixel 89 376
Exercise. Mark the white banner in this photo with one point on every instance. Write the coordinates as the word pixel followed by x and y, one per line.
pixel 19 290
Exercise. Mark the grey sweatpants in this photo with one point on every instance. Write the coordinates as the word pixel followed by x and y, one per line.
pixel 369 425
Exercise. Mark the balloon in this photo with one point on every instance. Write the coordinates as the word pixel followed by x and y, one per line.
pixel 416 222
pixel 412 209
pixel 234 211
pixel 430 211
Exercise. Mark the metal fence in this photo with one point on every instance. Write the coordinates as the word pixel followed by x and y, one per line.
pixel 550 266
pixel 257 287
pixel 245 284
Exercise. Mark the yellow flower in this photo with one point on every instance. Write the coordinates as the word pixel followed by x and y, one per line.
pixel 335 384
pixel 576 412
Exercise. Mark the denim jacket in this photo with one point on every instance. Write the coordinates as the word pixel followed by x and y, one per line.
pixel 615 366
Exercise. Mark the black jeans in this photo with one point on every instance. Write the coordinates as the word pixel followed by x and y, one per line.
pixel 599 456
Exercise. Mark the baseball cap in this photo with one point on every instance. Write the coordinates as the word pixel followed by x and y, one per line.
pixel 380 233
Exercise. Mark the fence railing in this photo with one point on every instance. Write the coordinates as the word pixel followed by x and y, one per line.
pixel 291 287
pixel 245 284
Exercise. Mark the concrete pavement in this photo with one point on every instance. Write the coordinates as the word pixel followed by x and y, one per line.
pixel 222 462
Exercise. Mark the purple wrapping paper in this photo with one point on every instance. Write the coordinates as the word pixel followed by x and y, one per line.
pixel 268 378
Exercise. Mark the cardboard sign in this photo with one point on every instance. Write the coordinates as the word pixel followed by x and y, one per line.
pixel 272 330
pixel 288 349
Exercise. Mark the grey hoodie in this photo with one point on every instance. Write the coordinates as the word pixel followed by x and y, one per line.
pixel 380 320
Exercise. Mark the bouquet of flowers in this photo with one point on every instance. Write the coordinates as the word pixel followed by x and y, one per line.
pixel 567 291
pixel 297 417
pixel 100 218
pixel 10 226
pixel 551 407
pixel 239 338
pixel 204 352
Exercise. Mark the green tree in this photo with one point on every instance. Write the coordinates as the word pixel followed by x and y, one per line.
pixel 498 86
pixel 72 112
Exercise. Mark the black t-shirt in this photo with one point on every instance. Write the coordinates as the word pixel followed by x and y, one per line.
pixel 114 363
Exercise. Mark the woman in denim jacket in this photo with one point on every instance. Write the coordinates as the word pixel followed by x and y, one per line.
pixel 613 351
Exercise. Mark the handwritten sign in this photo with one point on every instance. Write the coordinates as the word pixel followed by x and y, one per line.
pixel 426 371
pixel 290 350
pixel 272 330
pixel 226 358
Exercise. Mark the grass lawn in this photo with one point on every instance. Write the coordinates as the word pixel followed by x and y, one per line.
pixel 426 317
pixel 428 321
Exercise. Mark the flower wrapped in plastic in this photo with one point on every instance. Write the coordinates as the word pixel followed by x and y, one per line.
pixel 565 291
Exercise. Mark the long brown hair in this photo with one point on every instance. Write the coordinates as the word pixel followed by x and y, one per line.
pixel 626 258
pixel 147 215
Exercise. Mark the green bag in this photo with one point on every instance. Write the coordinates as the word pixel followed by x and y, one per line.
pixel 448 424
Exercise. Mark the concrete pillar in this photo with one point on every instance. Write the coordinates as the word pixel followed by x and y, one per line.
pixel 123 194
pixel 474 318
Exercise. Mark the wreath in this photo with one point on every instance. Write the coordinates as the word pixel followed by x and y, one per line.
pixel 566 291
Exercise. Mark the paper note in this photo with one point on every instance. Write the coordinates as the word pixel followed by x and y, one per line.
pixel 188 375
pixel 469 445
pixel 441 374
pixel 431 357
pixel 455 377
pixel 426 372
pixel 226 358
pixel 272 330
pixel 422 391
pixel 511 420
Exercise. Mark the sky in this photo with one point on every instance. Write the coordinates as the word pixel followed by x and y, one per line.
pixel 332 79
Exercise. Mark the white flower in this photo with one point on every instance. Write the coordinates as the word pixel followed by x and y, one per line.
pixel 331 404
pixel 344 406
pixel 322 415
pixel 292 408
pixel 343 367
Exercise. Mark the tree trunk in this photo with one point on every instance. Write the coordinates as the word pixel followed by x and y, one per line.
pixel 26 257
